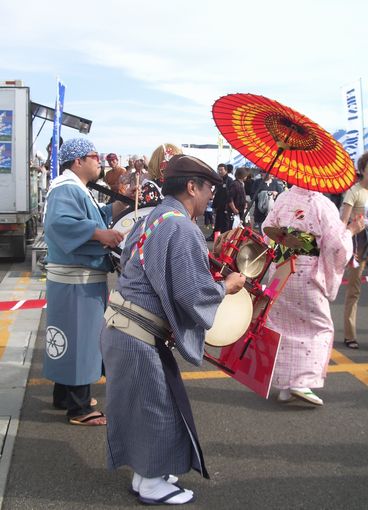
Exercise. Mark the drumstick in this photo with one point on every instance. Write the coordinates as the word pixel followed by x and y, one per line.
pixel 259 256
pixel 136 194
pixel 225 271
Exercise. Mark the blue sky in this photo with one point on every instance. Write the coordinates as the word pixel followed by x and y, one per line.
pixel 148 72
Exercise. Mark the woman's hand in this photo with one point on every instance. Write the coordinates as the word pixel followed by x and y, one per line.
pixel 356 225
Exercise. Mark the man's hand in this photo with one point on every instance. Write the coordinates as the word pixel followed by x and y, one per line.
pixel 108 238
pixel 234 282
pixel 130 192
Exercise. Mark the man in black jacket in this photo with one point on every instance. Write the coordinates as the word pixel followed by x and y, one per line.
pixel 267 184
pixel 220 202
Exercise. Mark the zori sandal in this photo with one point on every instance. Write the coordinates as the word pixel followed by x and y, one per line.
pixel 167 500
pixel 89 420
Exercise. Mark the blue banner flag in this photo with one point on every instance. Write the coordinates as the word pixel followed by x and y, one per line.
pixel 353 105
pixel 59 107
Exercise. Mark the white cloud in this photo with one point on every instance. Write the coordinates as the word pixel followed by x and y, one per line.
pixel 190 52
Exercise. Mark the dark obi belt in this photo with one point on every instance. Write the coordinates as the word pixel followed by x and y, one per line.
pixel 309 246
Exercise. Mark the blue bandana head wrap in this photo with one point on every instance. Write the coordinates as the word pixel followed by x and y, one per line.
pixel 75 148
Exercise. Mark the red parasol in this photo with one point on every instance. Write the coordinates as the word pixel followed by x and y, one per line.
pixel 284 142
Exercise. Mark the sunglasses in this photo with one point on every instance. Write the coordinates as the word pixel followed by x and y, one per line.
pixel 96 157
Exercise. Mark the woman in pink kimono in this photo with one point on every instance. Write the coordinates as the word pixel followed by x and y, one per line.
pixel 302 312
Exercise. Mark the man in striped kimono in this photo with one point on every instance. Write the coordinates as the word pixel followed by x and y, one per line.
pixel 165 289
pixel 77 264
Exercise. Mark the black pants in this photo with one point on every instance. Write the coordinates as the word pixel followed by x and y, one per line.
pixel 75 399
pixel 222 223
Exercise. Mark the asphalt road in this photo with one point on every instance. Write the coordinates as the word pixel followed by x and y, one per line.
pixel 260 454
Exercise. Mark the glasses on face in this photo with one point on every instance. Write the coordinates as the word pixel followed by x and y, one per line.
pixel 211 187
pixel 96 157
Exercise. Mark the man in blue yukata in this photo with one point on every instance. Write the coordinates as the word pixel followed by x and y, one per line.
pixel 165 292
pixel 78 261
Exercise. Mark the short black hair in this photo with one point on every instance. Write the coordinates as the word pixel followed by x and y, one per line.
pixel 229 168
pixel 65 166
pixel 176 185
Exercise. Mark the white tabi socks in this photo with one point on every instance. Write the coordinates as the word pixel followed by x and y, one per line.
pixel 153 489
pixel 136 482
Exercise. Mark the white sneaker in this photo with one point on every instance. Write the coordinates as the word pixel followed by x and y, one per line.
pixel 285 396
pixel 307 395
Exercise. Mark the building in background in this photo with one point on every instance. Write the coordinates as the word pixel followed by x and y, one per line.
pixel 212 154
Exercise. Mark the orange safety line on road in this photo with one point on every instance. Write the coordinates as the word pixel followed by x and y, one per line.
pixel 348 367
pixel 340 358
pixel 7 319
pixel 210 374
pixel 41 382
pixel 358 370
pixel 5 323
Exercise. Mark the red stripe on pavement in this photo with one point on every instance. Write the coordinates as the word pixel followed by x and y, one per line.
pixel 26 305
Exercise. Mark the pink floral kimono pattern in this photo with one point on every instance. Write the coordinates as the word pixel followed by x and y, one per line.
pixel 302 312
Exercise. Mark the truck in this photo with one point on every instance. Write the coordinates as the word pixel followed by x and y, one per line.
pixel 19 202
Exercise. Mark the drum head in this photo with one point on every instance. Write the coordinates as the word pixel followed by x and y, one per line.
pixel 125 221
pixel 247 260
pixel 232 319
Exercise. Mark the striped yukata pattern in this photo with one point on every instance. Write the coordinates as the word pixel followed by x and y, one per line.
pixel 145 428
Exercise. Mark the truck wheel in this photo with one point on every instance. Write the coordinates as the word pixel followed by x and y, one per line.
pixel 19 248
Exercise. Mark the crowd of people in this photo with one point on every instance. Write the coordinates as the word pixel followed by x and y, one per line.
pixel 246 196
pixel 165 296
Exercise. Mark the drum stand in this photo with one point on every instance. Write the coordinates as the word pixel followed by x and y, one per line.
pixel 251 359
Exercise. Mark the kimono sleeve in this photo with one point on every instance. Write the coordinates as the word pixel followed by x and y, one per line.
pixel 194 291
pixel 336 249
pixel 67 222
